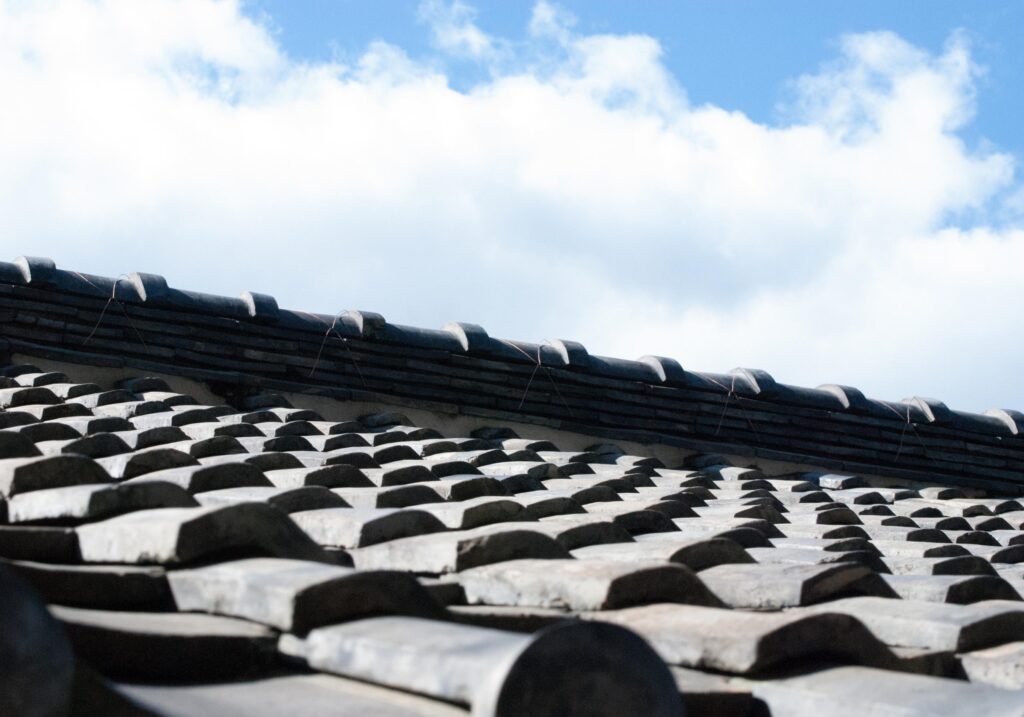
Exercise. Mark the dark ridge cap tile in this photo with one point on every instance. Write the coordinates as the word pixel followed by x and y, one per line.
pixel 471 337
pixel 667 370
pixel 934 410
pixel 623 368
pixel 367 323
pixel 905 412
pixel 412 336
pixel 757 381
pixel 147 286
pixel 808 397
pixel 36 270
pixel 229 307
pixel 1013 420
pixel 566 353
pixel 261 307
pixel 10 273
pixel 981 423
pixel 850 398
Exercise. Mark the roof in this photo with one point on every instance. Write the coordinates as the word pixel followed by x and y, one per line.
pixel 213 506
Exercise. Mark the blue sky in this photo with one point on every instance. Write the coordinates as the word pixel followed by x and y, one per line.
pixel 737 54
pixel 829 191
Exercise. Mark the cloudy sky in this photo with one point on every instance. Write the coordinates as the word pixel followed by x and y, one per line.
pixel 831 198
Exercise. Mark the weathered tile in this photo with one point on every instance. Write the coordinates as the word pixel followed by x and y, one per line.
pixel 302 695
pixel 540 505
pixel 581 496
pixel 772 587
pixel 957 565
pixel 806 556
pixel 918 549
pixel 1001 666
pixel 935 626
pixel 359 527
pixel 575 531
pixel 196 479
pixel 464 487
pixel 669 508
pixel 535 469
pixel 958 589
pixel 582 584
pixel 453 551
pixel 92 502
pixel 296 595
pixel 704 693
pixel 694 553
pixel 182 535
pixel 472 513
pixel 132 465
pixel 288 500
pixel 856 691
pixel 336 476
pixel 997 553
pixel 691 526
pixel 400 472
pixel 20 475
pixel 744 643
pixel 598 669
pixel 399 496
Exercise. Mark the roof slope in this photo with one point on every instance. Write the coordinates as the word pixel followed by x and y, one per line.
pixel 248 344
pixel 163 557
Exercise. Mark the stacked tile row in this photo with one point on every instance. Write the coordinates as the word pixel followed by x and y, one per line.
pixel 138 321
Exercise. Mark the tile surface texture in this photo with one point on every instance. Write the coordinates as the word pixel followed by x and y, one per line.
pixel 179 537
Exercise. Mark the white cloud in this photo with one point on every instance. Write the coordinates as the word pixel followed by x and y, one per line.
pixel 575 193
pixel 454 30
